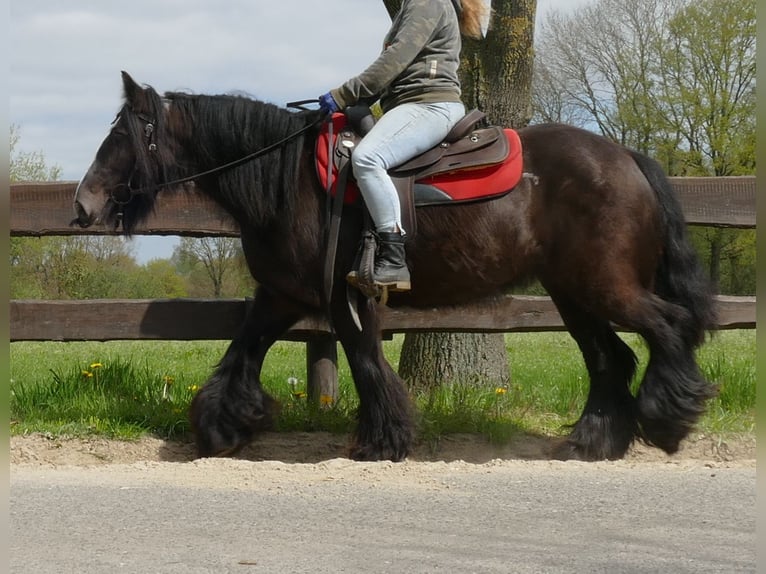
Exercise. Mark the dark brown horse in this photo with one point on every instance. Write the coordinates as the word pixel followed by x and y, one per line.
pixel 599 226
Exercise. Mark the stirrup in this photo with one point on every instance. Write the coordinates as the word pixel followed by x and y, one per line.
pixel 394 286
pixel 373 288
pixel 370 290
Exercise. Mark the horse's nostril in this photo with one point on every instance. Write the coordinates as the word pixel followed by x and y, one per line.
pixel 82 218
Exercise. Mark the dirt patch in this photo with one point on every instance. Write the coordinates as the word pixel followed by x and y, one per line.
pixel 41 450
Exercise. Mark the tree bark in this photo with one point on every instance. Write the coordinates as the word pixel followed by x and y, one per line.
pixel 431 359
pixel 496 72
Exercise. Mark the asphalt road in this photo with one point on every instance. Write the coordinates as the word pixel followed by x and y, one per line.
pixel 338 516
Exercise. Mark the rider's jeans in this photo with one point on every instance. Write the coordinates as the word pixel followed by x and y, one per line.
pixel 399 135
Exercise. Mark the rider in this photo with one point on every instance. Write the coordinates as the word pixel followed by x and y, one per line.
pixel 416 80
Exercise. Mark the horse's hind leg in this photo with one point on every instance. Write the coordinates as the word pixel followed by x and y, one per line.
pixel 232 406
pixel 607 426
pixel 385 428
pixel 673 392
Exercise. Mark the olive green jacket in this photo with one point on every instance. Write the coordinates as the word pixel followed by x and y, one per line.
pixel 419 61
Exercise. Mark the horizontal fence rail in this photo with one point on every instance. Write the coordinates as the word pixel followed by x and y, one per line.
pixel 39 209
pixel 198 319
pixel 43 209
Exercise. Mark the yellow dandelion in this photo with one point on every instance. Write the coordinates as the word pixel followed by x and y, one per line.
pixel 299 395
pixel 96 365
pixel 501 390
pixel 87 374
pixel 325 400
pixel 168 379
pixel 192 388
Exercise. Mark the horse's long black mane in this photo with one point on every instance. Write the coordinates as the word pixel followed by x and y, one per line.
pixel 218 129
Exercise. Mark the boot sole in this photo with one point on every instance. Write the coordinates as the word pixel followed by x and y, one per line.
pixel 393 286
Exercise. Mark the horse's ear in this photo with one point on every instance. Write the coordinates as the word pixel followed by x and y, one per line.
pixel 131 88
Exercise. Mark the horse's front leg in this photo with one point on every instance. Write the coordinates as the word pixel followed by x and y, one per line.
pixel 385 428
pixel 232 406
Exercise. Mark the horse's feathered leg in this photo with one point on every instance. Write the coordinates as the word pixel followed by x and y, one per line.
pixel 607 427
pixel 232 406
pixel 673 392
pixel 385 428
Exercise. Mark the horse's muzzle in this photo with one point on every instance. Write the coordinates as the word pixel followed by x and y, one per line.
pixel 83 219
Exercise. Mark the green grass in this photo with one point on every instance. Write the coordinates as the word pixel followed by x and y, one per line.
pixel 127 389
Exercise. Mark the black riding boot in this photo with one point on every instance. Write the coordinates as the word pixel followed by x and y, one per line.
pixel 390 266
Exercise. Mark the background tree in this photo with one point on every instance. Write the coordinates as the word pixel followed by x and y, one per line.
pixel 26 166
pixel 496 77
pixel 713 111
pixel 599 59
pixel 159 276
pixel 213 266
pixel 706 80
pixel 674 79
pixel 87 267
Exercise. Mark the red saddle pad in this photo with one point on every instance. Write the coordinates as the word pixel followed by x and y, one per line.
pixel 456 186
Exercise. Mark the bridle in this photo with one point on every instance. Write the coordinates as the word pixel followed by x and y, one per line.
pixel 131 192
pixel 149 131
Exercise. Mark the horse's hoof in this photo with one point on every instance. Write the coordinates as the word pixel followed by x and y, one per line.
pixel 228 452
pixel 662 437
pixel 568 449
pixel 211 443
pixel 368 453
pixel 218 436
pixel 670 446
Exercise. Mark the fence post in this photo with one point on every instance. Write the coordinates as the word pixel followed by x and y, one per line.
pixel 322 369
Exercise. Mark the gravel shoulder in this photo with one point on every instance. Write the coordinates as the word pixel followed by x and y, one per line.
pixel 39 450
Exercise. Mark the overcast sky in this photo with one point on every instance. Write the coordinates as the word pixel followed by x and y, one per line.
pixel 66 58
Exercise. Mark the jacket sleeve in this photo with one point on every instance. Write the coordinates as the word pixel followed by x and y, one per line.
pixel 417 23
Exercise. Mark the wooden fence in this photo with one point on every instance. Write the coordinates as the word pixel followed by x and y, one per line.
pixel 40 209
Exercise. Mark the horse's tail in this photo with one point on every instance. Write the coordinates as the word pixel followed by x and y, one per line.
pixel 680 278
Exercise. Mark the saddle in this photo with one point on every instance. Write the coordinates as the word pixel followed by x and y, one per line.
pixel 470 164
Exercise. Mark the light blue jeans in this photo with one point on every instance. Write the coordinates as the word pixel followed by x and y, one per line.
pixel 399 135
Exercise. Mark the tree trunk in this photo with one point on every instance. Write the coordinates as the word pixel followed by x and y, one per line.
pixel 496 72
pixel 496 77
pixel 431 359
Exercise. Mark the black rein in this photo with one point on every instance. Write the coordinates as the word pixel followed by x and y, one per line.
pixel 149 131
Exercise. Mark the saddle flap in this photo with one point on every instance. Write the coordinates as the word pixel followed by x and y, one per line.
pixel 484 146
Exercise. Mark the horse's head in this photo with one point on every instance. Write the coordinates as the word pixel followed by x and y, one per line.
pixel 121 184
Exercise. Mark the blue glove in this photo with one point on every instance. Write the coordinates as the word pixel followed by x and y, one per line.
pixel 327 103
